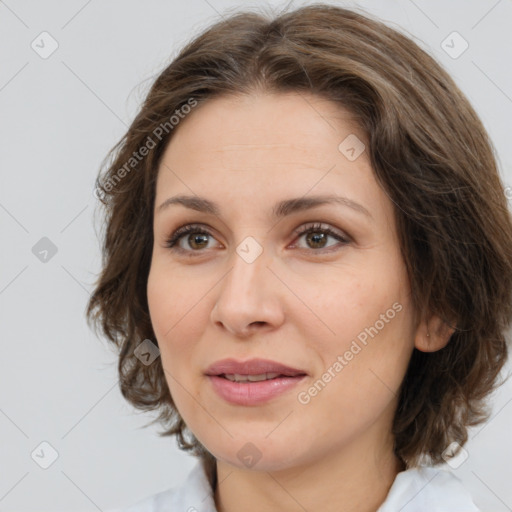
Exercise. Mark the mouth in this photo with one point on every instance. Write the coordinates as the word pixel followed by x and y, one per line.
pixel 255 369
pixel 236 377
pixel 252 382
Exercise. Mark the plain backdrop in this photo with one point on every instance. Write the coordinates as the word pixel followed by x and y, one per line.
pixel 59 115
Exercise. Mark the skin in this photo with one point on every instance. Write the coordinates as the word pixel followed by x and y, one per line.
pixel 298 303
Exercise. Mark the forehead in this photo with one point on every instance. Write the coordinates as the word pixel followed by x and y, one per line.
pixel 293 126
pixel 250 152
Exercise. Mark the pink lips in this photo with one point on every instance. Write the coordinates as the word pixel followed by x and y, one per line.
pixel 251 367
pixel 252 392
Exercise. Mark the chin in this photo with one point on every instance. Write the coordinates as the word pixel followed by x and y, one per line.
pixel 254 453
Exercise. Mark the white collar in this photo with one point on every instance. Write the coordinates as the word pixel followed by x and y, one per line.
pixel 424 489
pixel 427 489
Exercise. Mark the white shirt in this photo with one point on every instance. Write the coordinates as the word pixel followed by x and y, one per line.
pixel 424 489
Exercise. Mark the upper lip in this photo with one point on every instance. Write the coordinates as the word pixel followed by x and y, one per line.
pixel 251 367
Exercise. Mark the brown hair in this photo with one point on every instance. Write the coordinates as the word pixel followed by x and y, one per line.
pixel 430 153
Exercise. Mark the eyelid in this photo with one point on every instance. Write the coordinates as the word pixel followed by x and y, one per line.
pixel 172 242
pixel 325 227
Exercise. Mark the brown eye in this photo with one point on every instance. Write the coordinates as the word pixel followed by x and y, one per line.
pixel 317 237
pixel 197 239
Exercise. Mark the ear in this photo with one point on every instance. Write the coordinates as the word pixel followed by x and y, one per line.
pixel 432 334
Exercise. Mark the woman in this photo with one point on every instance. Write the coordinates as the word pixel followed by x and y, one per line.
pixel 307 267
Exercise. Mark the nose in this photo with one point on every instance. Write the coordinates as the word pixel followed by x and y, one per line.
pixel 249 298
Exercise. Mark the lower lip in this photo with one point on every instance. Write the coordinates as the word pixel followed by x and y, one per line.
pixel 252 393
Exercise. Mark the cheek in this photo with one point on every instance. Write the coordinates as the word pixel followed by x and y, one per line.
pixel 165 311
pixel 362 370
pixel 172 303
pixel 356 298
pixel 369 315
pixel 175 311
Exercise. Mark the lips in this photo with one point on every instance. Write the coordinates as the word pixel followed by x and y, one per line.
pixel 252 382
pixel 252 367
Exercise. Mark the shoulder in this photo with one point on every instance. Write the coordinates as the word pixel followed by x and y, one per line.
pixel 195 495
pixel 428 489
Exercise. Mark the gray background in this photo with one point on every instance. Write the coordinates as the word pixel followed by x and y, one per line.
pixel 59 117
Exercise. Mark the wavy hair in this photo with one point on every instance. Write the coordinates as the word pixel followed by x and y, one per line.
pixel 430 153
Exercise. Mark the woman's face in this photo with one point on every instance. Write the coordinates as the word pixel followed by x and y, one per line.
pixel 317 285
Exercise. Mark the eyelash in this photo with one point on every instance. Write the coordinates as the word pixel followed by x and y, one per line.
pixel 201 230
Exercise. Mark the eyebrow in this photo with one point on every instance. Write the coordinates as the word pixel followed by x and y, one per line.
pixel 281 209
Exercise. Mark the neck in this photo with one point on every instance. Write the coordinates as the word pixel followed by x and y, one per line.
pixel 354 479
